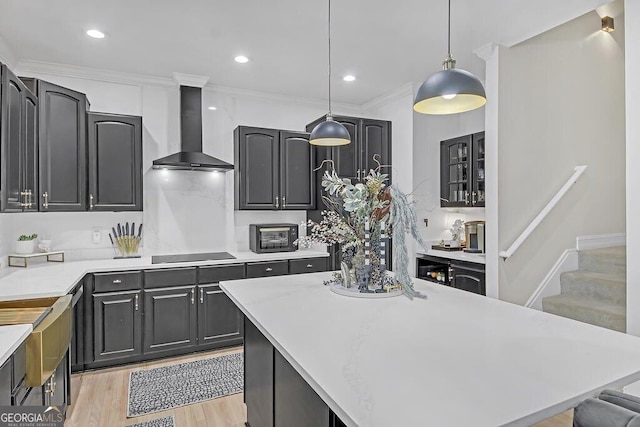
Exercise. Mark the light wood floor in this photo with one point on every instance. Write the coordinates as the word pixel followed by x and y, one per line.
pixel 100 400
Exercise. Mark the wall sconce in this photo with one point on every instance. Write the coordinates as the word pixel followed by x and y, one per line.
pixel 607 24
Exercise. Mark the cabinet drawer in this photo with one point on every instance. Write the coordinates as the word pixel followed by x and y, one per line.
pixel 307 265
pixel 122 281
pixel 218 274
pixel 268 268
pixel 170 277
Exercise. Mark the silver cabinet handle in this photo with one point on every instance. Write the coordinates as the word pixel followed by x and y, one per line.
pixel 90 201
pixel 193 296
pixel 45 197
pixel 277 202
pixel 268 269
pixel 309 265
pixel 473 198
pixel 23 199
pixel 466 197
pixel 136 299
pixel 358 174
pixel 284 202
pixel 29 199
pixel 117 281
pixel 201 296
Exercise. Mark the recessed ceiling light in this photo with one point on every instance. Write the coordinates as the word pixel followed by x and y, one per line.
pixel 349 78
pixel 96 34
pixel 241 59
pixel 212 108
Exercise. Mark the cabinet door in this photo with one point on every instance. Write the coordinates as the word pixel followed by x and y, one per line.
pixel 30 147
pixel 117 325
pixel 297 160
pixel 455 174
pixel 62 148
pixel 257 169
pixel 478 170
pixel 5 384
pixel 169 318
pixel 469 279
pixel 115 162
pixel 375 145
pixel 13 161
pixel 346 158
pixel 258 377
pixel 309 409
pixel 219 320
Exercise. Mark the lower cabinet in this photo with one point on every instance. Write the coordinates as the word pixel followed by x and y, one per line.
pixel 117 325
pixel 274 392
pixel 5 383
pixel 219 319
pixel 170 319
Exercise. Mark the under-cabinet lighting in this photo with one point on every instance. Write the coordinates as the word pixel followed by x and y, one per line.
pixel 96 34
pixel 607 24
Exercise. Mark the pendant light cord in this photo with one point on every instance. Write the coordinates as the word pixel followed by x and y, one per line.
pixel 449 32
pixel 329 32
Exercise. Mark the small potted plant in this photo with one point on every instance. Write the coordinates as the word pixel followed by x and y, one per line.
pixel 26 244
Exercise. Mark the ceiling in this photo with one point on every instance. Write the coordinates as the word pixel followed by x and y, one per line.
pixel 384 43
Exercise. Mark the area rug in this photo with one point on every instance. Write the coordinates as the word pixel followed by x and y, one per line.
pixel 159 389
pixel 158 422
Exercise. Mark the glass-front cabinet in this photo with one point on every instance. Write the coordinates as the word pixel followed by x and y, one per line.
pixel 462 171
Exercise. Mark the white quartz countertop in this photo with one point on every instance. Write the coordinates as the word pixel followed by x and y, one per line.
pixel 454 358
pixel 10 339
pixel 457 255
pixel 57 279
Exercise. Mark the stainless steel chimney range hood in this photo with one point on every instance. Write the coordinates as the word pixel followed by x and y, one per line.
pixel 191 157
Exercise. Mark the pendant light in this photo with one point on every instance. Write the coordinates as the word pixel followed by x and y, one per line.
pixel 451 90
pixel 330 133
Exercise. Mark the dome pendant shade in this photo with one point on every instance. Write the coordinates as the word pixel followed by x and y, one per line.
pixel 329 133
pixel 450 91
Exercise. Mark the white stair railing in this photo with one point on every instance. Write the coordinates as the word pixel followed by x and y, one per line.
pixel 579 170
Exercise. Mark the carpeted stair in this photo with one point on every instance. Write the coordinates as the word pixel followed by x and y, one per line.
pixel 596 293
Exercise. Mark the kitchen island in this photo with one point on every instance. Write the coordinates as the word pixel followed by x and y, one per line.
pixel 454 358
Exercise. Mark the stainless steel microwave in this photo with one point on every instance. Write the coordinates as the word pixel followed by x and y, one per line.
pixel 264 238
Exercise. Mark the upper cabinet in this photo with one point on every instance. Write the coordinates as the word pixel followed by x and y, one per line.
pixel 62 148
pixel 18 145
pixel 115 162
pixel 57 157
pixel 273 170
pixel 462 171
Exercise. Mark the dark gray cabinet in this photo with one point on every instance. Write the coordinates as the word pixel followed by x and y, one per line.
pixel 170 318
pixel 18 145
pixel 115 162
pixel 468 277
pixel 62 148
pixel 462 171
pixel 295 402
pixel 117 325
pixel 5 383
pixel 218 317
pixel 258 377
pixel 273 170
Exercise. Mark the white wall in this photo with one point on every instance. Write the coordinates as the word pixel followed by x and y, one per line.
pixel 183 211
pixel 632 72
pixel 561 104
pixel 428 131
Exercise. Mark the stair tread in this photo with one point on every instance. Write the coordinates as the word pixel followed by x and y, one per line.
pixel 614 250
pixel 595 275
pixel 588 303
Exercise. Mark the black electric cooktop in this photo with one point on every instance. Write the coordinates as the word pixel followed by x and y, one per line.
pixel 209 256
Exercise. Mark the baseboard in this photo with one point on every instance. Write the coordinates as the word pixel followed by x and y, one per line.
pixel 550 285
pixel 584 243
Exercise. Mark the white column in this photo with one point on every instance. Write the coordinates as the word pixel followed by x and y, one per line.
pixel 632 95
pixel 490 53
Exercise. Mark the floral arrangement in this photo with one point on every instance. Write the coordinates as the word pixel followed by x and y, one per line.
pixel 361 217
pixel 456 229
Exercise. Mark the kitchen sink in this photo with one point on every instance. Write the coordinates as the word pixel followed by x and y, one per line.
pixel 49 341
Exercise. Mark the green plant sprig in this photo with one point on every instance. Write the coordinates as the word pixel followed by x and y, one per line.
pixel 27 237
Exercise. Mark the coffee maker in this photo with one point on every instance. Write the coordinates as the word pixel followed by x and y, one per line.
pixel 474 234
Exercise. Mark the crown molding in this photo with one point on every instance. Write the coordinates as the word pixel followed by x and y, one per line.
pixel 485 51
pixel 30 68
pixel 404 90
pixel 190 79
